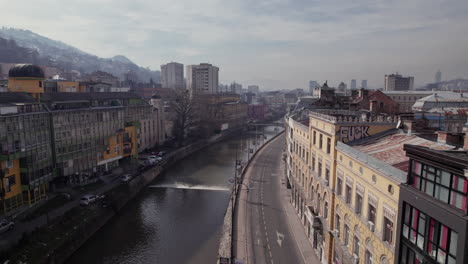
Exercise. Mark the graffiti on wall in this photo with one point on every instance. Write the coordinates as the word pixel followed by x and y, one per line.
pixel 350 133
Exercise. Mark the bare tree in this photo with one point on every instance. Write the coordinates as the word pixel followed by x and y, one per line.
pixel 185 116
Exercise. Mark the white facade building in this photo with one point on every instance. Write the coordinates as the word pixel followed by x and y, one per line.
pixel 202 78
pixel 172 75
pixel 253 89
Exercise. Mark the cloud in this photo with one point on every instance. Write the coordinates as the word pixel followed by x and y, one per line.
pixel 290 41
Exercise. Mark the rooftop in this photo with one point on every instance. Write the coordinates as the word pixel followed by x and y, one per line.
pixel 15 98
pixel 87 96
pixel 347 116
pixel 388 147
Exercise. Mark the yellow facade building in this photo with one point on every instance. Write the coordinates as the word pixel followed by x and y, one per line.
pixel 314 197
pixel 366 206
pixel 10 185
pixel 26 78
pixel 68 87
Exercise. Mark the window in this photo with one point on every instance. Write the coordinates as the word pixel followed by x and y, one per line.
pixel 339 186
pixel 358 204
pixel 313 162
pixel 319 168
pixel 11 180
pixel 368 258
pixel 356 246
pixel 325 210
pixel 346 234
pixel 430 236
pixel 321 141
pixel 348 194
pixel 371 213
pixel 327 175
pixel 388 230
pixel 328 145
pixel 445 186
pixel 315 137
pixel 337 225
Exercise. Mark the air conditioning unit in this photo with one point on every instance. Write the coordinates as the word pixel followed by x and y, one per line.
pixel 355 259
pixel 371 226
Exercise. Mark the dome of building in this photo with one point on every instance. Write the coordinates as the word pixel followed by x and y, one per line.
pixel 26 70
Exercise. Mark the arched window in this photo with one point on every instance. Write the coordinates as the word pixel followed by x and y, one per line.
pixel 318 204
pixel 312 193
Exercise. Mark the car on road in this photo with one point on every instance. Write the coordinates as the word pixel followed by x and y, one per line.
pixel 6 225
pixel 126 178
pixel 88 199
pixel 162 153
pixel 153 160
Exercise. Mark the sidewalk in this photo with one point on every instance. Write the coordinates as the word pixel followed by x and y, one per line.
pixel 295 225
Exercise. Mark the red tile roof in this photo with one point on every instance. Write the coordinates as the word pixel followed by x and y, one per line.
pixel 389 148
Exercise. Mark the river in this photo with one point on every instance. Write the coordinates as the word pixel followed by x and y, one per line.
pixel 177 218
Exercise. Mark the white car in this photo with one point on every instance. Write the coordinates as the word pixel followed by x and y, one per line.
pixel 153 159
pixel 126 178
pixel 87 199
pixel 6 225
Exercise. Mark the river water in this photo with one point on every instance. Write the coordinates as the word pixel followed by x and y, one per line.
pixel 176 219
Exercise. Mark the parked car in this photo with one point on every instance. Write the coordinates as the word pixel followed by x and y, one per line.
pixel 87 199
pixel 162 153
pixel 126 178
pixel 6 225
pixel 153 159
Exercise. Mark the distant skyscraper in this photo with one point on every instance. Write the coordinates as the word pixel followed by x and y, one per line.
pixel 172 75
pixel 353 84
pixel 312 85
pixel 364 84
pixel 396 82
pixel 438 77
pixel 202 78
pixel 253 89
pixel 236 88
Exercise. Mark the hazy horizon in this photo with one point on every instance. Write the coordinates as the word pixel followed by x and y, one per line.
pixel 275 44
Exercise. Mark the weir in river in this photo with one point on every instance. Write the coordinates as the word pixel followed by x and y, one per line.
pixel 177 218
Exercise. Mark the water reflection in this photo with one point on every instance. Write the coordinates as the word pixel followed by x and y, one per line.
pixel 177 219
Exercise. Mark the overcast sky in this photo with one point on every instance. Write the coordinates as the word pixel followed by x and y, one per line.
pixel 276 44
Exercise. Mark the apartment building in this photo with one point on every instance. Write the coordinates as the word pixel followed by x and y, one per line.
pixel 369 172
pixel 350 203
pixel 396 82
pixel 313 196
pixel 406 99
pixel 26 163
pixel 433 221
pixel 172 75
pixel 202 78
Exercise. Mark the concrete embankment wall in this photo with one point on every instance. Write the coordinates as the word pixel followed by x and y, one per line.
pixel 226 240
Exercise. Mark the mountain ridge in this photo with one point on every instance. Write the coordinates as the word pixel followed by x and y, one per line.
pixel 55 53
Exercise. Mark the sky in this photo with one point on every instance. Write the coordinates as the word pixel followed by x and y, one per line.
pixel 277 44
